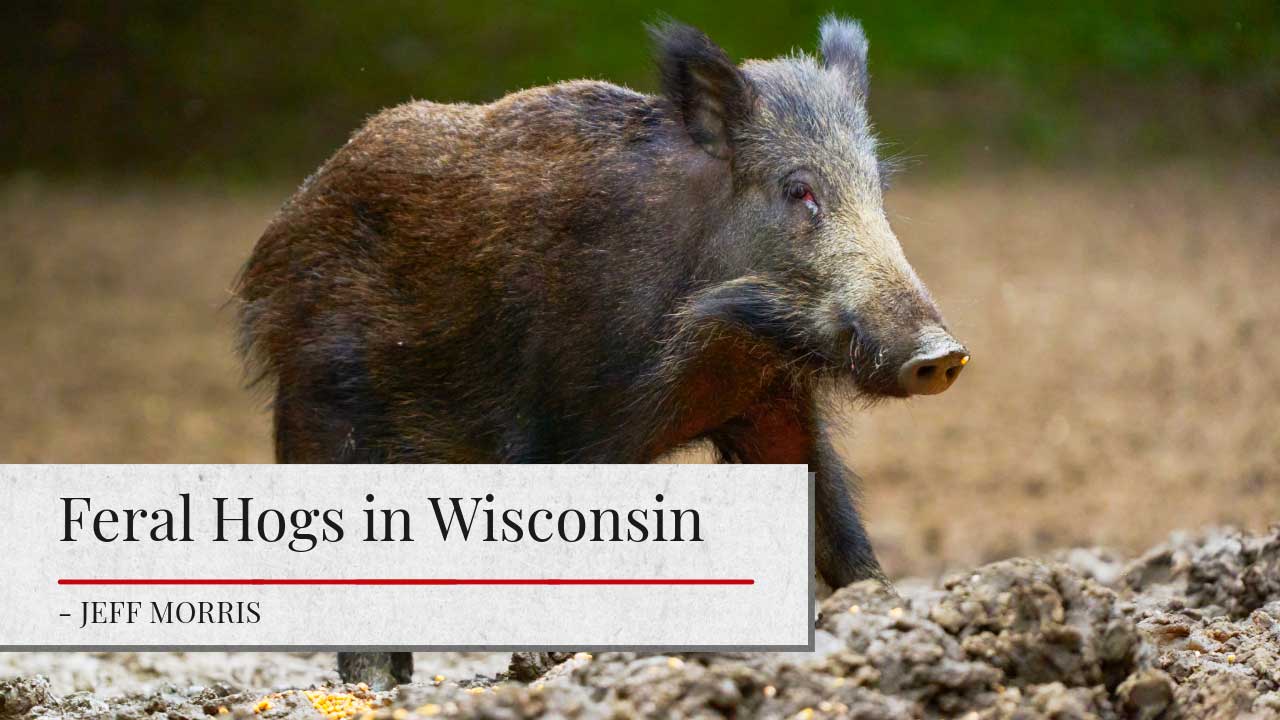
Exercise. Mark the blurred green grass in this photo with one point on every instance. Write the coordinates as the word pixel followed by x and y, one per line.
pixel 267 90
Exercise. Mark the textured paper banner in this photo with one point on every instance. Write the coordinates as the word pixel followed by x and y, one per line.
pixel 309 576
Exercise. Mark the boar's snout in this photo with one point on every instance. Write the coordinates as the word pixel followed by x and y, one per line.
pixel 936 364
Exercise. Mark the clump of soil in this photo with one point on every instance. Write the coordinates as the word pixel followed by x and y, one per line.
pixel 1189 630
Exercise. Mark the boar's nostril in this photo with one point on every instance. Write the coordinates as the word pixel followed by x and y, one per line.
pixel 932 371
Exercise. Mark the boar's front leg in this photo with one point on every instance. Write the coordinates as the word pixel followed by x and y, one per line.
pixel 787 430
pixel 843 551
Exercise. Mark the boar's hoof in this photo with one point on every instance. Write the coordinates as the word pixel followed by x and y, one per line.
pixel 380 671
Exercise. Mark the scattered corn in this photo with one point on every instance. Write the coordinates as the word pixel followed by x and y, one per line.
pixel 222 710
pixel 855 609
pixel 583 656
pixel 439 679
pixel 430 709
pixel 1231 658
pixel 337 706
pixel 675 663
pixel 475 691
pixel 262 706
pixel 805 714
pixel 399 714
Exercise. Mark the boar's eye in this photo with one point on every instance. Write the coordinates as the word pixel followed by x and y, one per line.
pixel 801 192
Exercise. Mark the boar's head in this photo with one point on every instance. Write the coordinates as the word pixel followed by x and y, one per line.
pixel 802 231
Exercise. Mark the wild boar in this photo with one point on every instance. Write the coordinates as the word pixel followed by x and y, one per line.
pixel 581 273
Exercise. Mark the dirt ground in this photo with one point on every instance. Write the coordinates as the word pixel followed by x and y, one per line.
pixel 1188 630
pixel 1125 384
pixel 1124 330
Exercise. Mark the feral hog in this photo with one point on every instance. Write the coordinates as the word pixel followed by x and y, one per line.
pixel 582 273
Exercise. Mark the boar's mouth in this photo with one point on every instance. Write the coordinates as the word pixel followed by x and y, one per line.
pixel 782 316
pixel 925 364
pixel 867 363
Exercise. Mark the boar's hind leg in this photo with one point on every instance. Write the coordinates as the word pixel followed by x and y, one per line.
pixel 309 430
pixel 786 431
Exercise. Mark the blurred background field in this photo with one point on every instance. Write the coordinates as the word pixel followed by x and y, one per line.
pixel 1092 198
pixel 229 89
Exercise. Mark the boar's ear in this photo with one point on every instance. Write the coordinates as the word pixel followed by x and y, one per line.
pixel 711 94
pixel 844 49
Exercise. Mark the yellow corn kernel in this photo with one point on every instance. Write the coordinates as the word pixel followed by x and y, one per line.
pixel 262 706
pixel 439 678
pixel 336 706
pixel 429 710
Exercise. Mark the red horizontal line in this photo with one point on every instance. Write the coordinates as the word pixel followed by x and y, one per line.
pixel 406 581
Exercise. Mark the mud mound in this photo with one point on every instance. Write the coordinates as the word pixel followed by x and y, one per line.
pixel 1189 630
